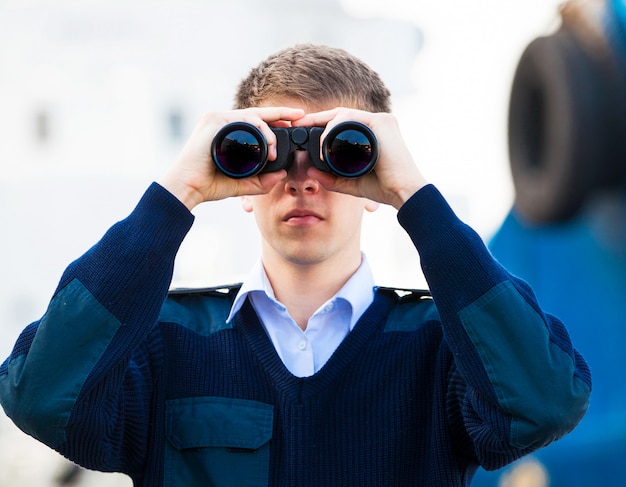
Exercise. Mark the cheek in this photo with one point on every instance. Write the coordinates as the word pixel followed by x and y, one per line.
pixel 349 220
pixel 352 208
pixel 263 219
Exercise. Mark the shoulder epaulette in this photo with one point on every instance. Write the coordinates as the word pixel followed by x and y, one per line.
pixel 406 294
pixel 413 308
pixel 225 290
pixel 203 310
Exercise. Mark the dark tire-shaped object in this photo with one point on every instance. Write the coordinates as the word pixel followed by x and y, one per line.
pixel 566 128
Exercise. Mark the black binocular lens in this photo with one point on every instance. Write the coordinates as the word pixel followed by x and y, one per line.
pixel 240 151
pixel 349 150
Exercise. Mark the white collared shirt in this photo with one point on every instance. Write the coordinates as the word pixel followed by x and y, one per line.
pixel 305 352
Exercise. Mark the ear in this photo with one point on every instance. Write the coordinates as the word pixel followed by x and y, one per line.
pixel 246 204
pixel 371 206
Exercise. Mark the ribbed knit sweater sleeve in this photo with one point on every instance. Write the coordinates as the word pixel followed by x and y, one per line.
pixel 520 383
pixel 76 361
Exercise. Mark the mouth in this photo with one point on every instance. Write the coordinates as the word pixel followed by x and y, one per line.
pixel 302 217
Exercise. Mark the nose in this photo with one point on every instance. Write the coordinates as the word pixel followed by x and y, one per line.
pixel 297 181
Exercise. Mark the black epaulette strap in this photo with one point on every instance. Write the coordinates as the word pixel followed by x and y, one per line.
pixel 406 294
pixel 230 290
pixel 224 290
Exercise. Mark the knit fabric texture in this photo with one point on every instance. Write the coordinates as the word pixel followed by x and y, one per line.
pixel 120 376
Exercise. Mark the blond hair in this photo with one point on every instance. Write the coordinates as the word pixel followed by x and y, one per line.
pixel 316 75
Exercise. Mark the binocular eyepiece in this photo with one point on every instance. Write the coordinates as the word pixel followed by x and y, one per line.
pixel 350 149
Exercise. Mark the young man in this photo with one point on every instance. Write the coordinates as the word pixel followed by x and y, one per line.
pixel 308 374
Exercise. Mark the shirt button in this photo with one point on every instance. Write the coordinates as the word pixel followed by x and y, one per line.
pixel 302 345
pixel 328 307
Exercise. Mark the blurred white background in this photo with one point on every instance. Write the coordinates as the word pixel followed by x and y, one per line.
pixel 97 97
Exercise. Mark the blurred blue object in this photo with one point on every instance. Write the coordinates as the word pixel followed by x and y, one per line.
pixel 575 259
pixel 619 9
pixel 578 271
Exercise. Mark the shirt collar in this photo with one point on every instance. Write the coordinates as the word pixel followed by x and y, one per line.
pixel 352 291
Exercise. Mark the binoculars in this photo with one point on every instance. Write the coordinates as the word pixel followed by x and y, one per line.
pixel 350 149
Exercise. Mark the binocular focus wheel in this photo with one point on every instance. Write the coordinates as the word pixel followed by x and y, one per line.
pixel 566 128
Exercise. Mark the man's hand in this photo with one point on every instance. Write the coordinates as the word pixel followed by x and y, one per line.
pixel 395 177
pixel 194 177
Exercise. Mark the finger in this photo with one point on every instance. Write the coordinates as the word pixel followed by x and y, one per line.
pixel 330 182
pixel 317 119
pixel 280 124
pixel 265 117
pixel 276 114
pixel 261 184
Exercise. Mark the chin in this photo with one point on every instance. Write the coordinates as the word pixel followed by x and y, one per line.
pixel 306 258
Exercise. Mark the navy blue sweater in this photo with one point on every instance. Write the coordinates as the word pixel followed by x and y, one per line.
pixel 118 376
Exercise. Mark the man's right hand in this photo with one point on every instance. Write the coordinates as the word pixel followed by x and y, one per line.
pixel 194 178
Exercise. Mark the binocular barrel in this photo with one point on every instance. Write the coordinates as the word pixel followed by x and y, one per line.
pixel 350 149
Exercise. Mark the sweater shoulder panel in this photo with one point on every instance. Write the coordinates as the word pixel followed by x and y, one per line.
pixel 412 308
pixel 201 310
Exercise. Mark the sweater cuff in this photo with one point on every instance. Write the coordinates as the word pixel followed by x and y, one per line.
pixel 160 205
pixel 453 256
pixel 425 215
